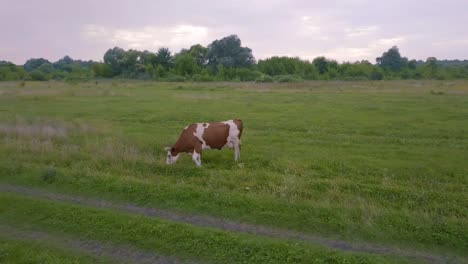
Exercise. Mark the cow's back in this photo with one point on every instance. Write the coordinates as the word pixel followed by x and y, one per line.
pixel 216 134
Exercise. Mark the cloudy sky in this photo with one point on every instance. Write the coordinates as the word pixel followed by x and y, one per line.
pixel 345 30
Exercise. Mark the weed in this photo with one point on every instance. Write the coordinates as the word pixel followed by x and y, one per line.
pixel 49 175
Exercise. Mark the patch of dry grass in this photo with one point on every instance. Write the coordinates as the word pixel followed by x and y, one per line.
pixel 43 89
pixel 35 145
pixel 200 96
pixel 98 92
pixel 43 136
pixel 117 151
pixel 44 129
pixel 54 136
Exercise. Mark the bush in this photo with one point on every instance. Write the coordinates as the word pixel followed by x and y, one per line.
pixel 264 78
pixel 174 78
pixel 38 76
pixel 437 92
pixel 375 75
pixel 354 78
pixel 48 175
pixel 59 75
pixel 288 78
pixel 440 77
pixel 246 74
pixel 201 78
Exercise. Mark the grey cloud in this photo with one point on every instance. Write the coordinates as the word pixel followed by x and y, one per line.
pixel 343 30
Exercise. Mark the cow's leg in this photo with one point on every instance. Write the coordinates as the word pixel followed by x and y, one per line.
pixel 237 149
pixel 196 155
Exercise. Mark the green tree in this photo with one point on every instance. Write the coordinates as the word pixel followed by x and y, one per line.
pixel 80 73
pixel 199 53
pixel 64 64
pixel 46 68
pixel 38 76
pixel 186 65
pixel 161 72
pixel 431 68
pixel 332 69
pixel 273 66
pixel 321 64
pixel 11 72
pixel 221 73
pixel 287 65
pixel 33 64
pixel 392 60
pixel 115 58
pixel 229 53
pixel 148 58
pixel 102 70
pixel 412 64
pixel 164 58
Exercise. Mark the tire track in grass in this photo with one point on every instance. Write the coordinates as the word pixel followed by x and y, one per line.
pixel 116 253
pixel 232 226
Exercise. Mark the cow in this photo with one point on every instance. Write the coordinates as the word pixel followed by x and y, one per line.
pixel 213 135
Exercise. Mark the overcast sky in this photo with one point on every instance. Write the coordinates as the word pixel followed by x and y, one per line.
pixel 343 30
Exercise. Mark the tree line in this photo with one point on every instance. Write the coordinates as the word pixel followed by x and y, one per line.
pixel 227 60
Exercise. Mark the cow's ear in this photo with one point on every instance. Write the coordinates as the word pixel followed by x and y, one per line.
pixel 167 148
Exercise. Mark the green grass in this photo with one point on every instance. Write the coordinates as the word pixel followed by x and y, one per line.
pixel 25 252
pixel 170 239
pixel 381 162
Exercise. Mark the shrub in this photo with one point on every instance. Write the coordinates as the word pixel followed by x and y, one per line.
pixel 440 77
pixel 376 75
pixel 38 76
pixel 264 78
pixel 246 74
pixel 174 78
pixel 354 78
pixel 437 92
pixel 201 78
pixel 59 75
pixel 288 78
pixel 48 175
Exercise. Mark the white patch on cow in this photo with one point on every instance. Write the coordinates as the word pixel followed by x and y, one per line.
pixel 196 157
pixel 199 134
pixel 233 138
pixel 171 159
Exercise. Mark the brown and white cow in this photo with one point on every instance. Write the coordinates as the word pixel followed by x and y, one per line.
pixel 200 136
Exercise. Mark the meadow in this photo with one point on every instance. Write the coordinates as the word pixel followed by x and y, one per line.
pixel 330 172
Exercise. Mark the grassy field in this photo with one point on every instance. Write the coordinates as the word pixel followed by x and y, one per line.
pixel 383 164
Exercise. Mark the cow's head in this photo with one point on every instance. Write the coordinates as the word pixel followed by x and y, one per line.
pixel 172 156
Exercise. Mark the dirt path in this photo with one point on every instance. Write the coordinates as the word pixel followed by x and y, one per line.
pixel 116 253
pixel 227 225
